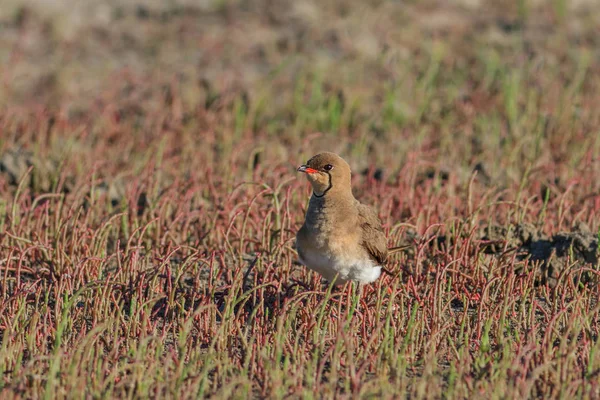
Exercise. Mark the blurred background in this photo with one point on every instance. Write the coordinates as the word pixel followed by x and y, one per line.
pixel 504 88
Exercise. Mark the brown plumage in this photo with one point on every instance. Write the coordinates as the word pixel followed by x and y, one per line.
pixel 341 238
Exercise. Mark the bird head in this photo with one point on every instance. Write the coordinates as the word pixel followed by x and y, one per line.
pixel 327 172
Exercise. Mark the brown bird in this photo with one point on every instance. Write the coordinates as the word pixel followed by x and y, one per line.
pixel 341 238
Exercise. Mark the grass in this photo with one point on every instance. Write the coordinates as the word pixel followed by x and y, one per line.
pixel 149 204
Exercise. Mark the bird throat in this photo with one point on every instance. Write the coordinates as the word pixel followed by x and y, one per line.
pixel 329 186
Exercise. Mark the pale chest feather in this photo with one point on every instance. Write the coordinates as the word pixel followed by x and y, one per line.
pixel 342 269
pixel 329 243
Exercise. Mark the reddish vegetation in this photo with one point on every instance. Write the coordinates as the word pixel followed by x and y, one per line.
pixel 146 231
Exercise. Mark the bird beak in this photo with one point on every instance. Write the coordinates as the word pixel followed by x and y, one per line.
pixel 306 169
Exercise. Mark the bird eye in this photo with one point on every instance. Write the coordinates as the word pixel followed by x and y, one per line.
pixel 328 167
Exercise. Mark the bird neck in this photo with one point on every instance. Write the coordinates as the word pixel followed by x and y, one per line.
pixel 330 211
pixel 332 202
pixel 332 196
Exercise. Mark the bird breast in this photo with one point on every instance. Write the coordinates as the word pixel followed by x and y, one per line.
pixel 331 234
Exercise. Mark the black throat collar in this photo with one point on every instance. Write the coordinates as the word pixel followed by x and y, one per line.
pixel 326 190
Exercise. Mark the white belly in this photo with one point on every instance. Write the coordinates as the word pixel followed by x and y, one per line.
pixel 346 269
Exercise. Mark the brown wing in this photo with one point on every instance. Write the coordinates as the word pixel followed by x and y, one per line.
pixel 373 237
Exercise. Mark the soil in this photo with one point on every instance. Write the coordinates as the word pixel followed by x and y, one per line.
pixel 553 253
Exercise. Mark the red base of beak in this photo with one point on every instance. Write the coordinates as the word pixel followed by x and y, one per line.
pixel 306 169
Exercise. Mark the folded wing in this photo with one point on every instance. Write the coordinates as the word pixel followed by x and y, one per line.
pixel 373 237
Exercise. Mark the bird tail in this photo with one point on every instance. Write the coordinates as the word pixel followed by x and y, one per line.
pixel 394 250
